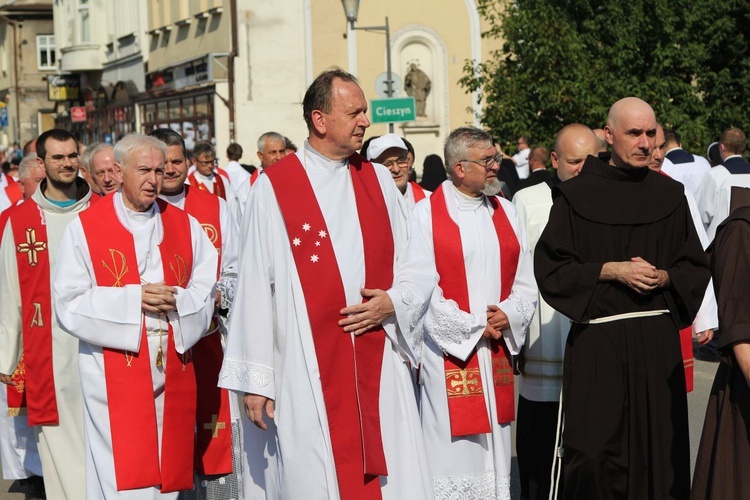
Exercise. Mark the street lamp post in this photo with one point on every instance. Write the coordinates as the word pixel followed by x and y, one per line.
pixel 351 8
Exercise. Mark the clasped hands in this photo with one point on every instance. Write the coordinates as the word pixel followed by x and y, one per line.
pixel 497 321
pixel 158 298
pixel 637 274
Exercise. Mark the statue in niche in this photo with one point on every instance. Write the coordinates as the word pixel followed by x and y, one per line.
pixel 418 85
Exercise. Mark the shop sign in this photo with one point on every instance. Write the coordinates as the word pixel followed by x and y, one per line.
pixel 63 87
pixel 78 114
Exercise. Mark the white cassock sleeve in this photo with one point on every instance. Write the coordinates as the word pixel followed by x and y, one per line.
pixel 10 304
pixel 229 254
pixel 521 303
pixel 111 316
pixel 414 279
pixel 708 314
pixel 706 196
pixel 249 355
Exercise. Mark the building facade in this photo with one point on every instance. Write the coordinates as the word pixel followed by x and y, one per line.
pixel 230 70
pixel 187 86
pixel 27 57
pixel 430 42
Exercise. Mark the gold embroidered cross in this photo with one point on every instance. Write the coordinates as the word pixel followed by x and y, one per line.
pixel 31 247
pixel 215 426
pixel 464 382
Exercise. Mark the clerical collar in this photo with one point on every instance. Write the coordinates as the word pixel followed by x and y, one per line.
pixel 136 221
pixel 463 200
pixel 335 163
pixel 203 177
pixel 173 199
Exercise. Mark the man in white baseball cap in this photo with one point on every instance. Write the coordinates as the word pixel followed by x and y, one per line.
pixel 390 150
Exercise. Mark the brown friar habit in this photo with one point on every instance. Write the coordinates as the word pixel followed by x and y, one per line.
pixel 626 422
pixel 724 452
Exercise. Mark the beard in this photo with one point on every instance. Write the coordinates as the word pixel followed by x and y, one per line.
pixel 492 187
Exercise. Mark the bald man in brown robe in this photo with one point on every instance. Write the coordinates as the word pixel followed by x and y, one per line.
pixel 620 257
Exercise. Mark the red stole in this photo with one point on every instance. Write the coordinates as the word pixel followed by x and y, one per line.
pixel 254 176
pixel 13 190
pixel 463 381
pixel 16 394
pixel 213 452
pixel 130 394
pixel 349 371
pixel 30 237
pixel 417 191
pixel 219 189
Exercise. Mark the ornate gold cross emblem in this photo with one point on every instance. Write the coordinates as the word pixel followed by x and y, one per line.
pixel 502 371
pixel 215 426
pixel 464 382
pixel 31 247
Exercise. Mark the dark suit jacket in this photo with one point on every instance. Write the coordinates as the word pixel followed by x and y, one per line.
pixel 509 175
pixel 536 177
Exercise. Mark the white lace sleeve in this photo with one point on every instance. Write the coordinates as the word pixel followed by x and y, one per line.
pixel 254 377
pixel 524 307
pixel 415 309
pixel 454 331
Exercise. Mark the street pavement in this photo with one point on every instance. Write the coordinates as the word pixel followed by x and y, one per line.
pixel 704 377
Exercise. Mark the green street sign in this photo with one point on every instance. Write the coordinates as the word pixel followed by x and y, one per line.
pixel 400 109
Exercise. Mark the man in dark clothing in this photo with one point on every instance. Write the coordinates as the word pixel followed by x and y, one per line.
pixel 538 167
pixel 725 442
pixel 620 257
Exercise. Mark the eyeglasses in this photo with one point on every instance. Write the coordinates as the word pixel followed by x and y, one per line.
pixel 207 162
pixel 487 163
pixel 60 159
pixel 401 162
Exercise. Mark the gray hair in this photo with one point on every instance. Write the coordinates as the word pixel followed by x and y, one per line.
pixel 134 142
pixel 274 136
pixel 91 151
pixel 458 143
pixel 28 162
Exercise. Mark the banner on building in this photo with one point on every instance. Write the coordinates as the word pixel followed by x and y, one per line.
pixel 63 87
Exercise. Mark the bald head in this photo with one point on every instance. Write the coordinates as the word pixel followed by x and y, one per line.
pixel 631 131
pixel 572 145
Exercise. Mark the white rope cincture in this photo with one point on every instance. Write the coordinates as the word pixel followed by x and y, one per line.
pixel 619 317
pixel 559 453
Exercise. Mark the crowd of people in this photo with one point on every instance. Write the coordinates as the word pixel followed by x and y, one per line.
pixel 373 328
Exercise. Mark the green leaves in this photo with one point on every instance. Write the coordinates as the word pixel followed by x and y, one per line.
pixel 566 61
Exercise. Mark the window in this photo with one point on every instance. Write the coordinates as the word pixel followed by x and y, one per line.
pixel 45 51
pixel 191 116
pixel 84 23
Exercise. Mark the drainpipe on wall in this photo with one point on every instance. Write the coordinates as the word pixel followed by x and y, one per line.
pixel 230 69
pixel 15 76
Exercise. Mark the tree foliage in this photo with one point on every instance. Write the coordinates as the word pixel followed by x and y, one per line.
pixel 565 61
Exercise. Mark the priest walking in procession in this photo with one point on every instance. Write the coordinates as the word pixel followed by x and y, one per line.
pixel 477 318
pixel 218 425
pixel 29 256
pixel 137 289
pixel 332 282
pixel 620 257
